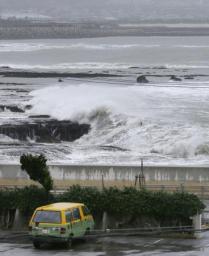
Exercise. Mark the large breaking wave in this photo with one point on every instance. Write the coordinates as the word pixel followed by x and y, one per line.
pixel 159 124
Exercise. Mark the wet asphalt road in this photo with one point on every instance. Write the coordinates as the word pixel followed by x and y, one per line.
pixel 115 246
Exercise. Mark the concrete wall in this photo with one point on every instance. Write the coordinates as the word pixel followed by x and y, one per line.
pixel 128 173
pixel 97 175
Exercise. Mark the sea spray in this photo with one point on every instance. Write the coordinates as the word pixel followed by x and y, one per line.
pixel 146 121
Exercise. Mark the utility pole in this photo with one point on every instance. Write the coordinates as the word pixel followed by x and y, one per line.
pixel 104 216
pixel 142 170
pixel 140 179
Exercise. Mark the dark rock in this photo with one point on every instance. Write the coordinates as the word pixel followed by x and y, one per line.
pixel 113 148
pixel 40 116
pixel 189 77
pixel 33 74
pixel 154 151
pixel 28 107
pixel 160 67
pixel 60 80
pixel 142 79
pixel 48 131
pixel 1 83
pixel 13 90
pixel 12 108
pixel 174 78
pixel 5 67
pixel 133 67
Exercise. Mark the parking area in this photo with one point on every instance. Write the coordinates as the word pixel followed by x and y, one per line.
pixel 20 245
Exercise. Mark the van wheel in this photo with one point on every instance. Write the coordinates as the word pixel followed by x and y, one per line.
pixel 36 244
pixel 68 244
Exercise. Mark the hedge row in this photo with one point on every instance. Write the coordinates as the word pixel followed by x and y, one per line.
pixel 129 202
pixel 162 206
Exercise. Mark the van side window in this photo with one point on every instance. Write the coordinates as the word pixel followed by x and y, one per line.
pixel 76 214
pixel 85 211
pixel 68 216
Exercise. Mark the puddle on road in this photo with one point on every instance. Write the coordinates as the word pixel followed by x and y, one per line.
pixel 124 246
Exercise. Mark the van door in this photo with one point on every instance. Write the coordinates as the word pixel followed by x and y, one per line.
pixel 68 219
pixel 77 228
pixel 87 219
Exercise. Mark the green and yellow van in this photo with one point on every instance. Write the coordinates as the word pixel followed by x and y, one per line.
pixel 60 223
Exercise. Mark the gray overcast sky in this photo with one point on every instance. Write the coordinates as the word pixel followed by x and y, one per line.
pixel 101 9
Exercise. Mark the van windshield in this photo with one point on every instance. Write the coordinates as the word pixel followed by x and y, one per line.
pixel 47 217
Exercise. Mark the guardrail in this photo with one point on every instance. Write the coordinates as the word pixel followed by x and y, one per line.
pixel 144 231
pixel 152 231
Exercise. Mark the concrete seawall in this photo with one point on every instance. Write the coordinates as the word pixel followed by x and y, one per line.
pixel 156 177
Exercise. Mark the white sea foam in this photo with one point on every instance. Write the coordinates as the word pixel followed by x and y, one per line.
pixel 146 121
pixel 69 66
pixel 99 66
pixel 185 66
pixel 27 47
pixel 106 53
pixel 6 139
pixel 22 47
pixel 191 46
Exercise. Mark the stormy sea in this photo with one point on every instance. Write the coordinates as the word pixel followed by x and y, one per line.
pixel 78 101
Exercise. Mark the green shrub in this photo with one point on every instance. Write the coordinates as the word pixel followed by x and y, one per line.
pixel 29 198
pixel 90 196
pixel 37 169
pixel 165 208
pixel 9 199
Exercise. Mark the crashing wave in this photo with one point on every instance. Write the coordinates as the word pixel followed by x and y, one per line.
pixel 147 122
